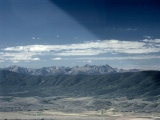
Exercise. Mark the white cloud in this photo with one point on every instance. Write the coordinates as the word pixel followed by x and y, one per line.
pixel 20 56
pixel 89 48
pixel 147 37
pixel 33 38
pixel 152 40
pixel 106 46
pixel 88 61
pixel 142 57
pixel 58 58
pixel 86 52
pixel 35 59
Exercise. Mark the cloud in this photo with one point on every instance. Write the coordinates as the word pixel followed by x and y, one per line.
pixel 58 58
pixel 34 38
pixel 147 37
pixel 131 29
pixel 20 56
pixel 88 61
pixel 85 52
pixel 125 29
pixel 97 46
pixel 142 57
pixel 152 40
pixel 89 48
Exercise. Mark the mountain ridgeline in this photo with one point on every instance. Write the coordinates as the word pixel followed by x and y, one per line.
pixel 86 70
pixel 129 84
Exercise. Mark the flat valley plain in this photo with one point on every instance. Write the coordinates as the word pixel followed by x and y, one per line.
pixel 78 108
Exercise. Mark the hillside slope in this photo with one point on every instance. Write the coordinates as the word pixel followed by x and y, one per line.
pixel 138 84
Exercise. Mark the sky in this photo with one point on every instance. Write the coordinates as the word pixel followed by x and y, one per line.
pixel 40 33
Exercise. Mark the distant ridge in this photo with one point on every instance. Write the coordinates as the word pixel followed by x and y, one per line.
pixel 62 70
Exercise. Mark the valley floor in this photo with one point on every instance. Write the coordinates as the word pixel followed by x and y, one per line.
pixel 78 108
pixel 44 116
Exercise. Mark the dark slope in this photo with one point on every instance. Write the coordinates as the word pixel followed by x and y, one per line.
pixel 145 83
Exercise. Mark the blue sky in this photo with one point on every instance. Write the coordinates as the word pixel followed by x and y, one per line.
pixel 121 33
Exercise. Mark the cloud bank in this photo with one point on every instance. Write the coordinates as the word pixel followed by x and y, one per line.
pixel 89 48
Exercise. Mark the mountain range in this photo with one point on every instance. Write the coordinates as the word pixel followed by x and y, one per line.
pixel 108 88
pixel 53 70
